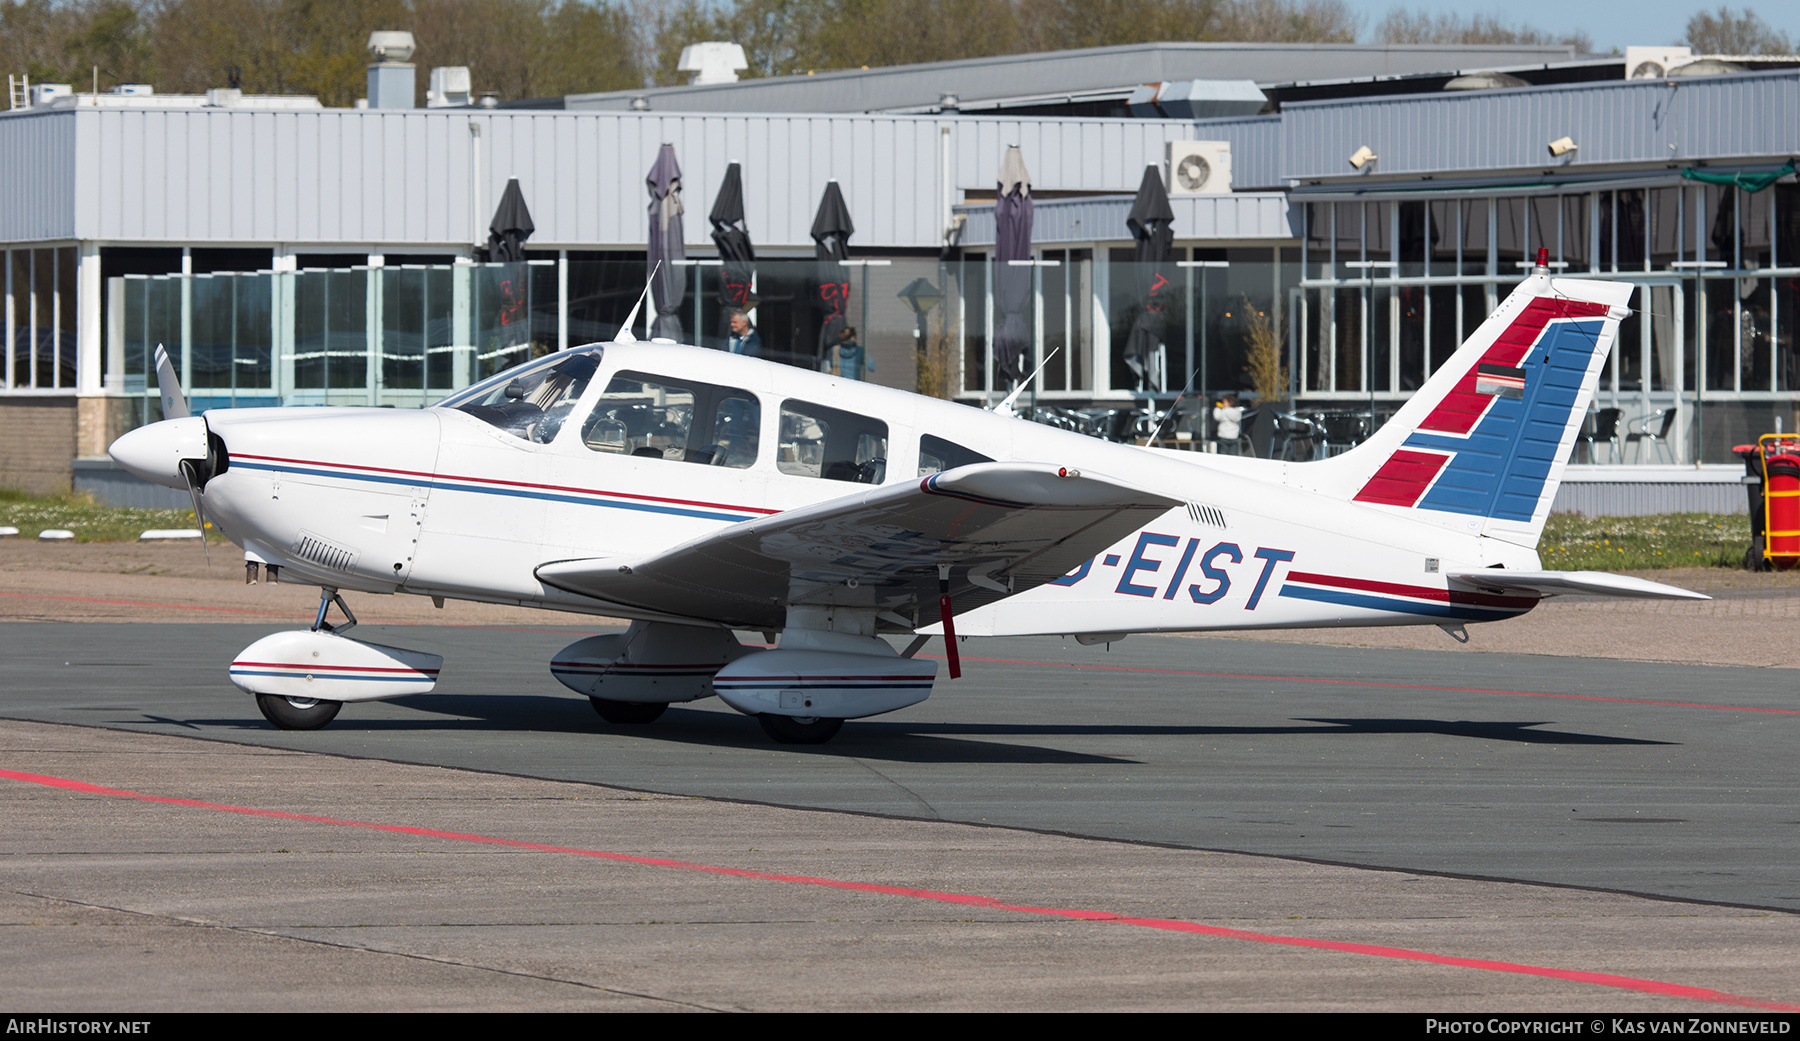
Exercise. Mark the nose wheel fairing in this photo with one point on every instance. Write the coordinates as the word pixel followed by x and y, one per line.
pixel 325 666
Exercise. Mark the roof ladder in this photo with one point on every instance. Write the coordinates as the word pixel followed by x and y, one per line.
pixel 18 89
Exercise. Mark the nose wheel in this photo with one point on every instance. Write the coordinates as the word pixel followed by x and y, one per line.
pixel 297 713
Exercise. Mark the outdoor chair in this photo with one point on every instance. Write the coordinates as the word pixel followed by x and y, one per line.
pixel 1662 419
pixel 1603 428
pixel 1341 431
pixel 1296 438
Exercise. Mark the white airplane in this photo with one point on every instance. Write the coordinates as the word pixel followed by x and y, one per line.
pixel 697 492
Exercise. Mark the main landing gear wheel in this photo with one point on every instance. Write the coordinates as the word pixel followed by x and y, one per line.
pixel 629 711
pixel 799 730
pixel 297 713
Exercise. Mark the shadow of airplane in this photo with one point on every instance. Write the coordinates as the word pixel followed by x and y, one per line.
pixel 885 739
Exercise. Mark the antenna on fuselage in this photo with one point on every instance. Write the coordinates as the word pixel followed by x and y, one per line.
pixel 1005 408
pixel 625 335
pixel 1156 435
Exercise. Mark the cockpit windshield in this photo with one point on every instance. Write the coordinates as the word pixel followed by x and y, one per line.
pixel 531 400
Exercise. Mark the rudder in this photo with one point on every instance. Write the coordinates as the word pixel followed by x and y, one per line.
pixel 1482 446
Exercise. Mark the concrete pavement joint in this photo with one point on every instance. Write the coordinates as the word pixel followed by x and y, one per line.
pixel 278 934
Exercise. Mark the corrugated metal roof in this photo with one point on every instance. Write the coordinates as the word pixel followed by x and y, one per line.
pixel 391 179
pixel 1061 73
pixel 404 177
pixel 1631 121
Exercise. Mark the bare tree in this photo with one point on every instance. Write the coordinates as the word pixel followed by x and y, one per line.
pixel 1403 26
pixel 1727 33
pixel 1288 21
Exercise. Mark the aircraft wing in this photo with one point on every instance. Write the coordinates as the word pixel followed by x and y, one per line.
pixel 1002 528
pixel 1597 583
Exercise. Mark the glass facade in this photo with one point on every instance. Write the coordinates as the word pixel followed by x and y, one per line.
pixel 405 335
pixel 39 309
pixel 1390 287
pixel 1364 306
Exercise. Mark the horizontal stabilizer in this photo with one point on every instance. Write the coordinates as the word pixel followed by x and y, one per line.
pixel 1597 583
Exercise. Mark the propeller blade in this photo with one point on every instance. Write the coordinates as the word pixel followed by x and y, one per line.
pixel 174 402
pixel 188 471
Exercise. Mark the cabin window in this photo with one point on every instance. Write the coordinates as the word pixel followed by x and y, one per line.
pixel 937 455
pixel 819 441
pixel 655 417
pixel 532 400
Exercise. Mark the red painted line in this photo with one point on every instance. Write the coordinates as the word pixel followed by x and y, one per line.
pixel 1376 683
pixel 1601 979
pixel 430 478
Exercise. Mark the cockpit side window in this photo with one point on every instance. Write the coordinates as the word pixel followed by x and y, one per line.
pixel 937 455
pixel 531 401
pixel 820 441
pixel 658 417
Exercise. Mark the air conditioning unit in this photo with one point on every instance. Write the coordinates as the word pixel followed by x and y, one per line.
pixel 45 93
pixel 1199 167
pixel 1653 63
pixel 451 86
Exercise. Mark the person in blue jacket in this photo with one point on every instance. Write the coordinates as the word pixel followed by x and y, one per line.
pixel 744 339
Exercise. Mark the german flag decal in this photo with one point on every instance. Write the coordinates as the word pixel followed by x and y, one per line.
pixel 1502 380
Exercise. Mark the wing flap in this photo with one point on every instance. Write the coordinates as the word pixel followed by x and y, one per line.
pixel 1597 583
pixel 1002 528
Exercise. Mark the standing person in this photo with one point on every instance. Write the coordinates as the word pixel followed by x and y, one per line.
pixel 1228 420
pixel 744 339
pixel 849 358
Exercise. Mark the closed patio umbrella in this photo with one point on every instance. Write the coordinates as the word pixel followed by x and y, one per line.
pixel 1151 223
pixel 732 237
pixel 507 233
pixel 510 227
pixel 1012 284
pixel 668 243
pixel 831 233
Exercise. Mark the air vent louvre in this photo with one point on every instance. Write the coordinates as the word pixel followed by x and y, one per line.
pixel 325 553
pixel 1211 515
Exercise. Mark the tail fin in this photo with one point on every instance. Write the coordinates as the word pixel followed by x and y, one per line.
pixel 1482 446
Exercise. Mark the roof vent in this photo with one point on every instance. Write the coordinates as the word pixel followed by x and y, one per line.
pixel 1485 81
pixel 389 45
pixel 712 62
pixel 450 86
pixel 1707 67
